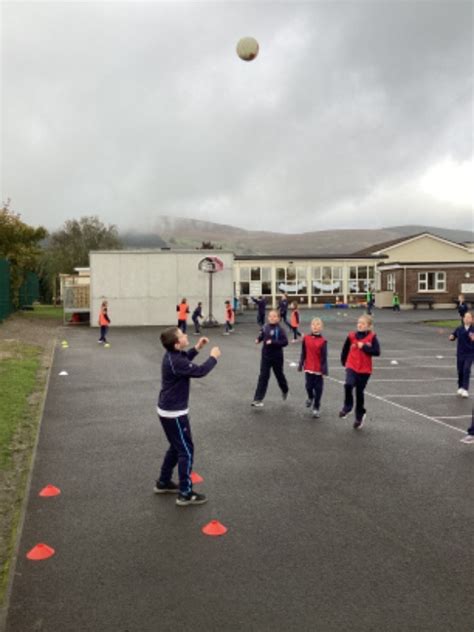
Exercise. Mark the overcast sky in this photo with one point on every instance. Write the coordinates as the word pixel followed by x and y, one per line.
pixel 354 114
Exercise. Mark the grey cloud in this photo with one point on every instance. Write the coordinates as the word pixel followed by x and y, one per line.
pixel 135 110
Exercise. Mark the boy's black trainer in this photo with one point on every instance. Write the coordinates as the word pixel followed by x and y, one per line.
pixel 166 488
pixel 191 499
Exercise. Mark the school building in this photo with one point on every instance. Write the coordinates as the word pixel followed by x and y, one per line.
pixel 143 287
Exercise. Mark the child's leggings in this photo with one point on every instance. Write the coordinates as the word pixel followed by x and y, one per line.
pixel 296 333
pixel 314 387
pixel 359 382
pixel 464 371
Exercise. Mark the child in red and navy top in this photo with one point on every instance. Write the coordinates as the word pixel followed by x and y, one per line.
pixel 183 311
pixel 357 353
pixel 229 318
pixel 295 321
pixel 314 362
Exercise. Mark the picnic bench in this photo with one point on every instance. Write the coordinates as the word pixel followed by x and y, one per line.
pixel 420 300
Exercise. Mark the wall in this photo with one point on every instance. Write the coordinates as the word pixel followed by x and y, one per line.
pixel 143 287
pixel 425 250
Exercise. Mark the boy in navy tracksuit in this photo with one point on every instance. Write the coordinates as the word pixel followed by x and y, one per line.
pixel 465 353
pixel 357 353
pixel 274 339
pixel 314 362
pixel 261 304
pixel 176 370
pixel 197 314
pixel 283 309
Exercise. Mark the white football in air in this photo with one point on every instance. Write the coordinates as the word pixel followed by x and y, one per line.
pixel 247 48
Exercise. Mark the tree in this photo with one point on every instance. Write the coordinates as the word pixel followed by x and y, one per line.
pixel 19 244
pixel 69 246
pixel 208 245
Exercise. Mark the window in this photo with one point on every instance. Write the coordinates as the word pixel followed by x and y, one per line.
pixel 255 281
pixel 391 282
pixel 291 280
pixel 255 274
pixel 361 278
pixel 327 279
pixel 431 281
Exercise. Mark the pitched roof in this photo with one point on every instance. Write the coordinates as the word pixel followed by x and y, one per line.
pixel 393 242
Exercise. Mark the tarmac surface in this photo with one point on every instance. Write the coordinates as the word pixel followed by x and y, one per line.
pixel 329 529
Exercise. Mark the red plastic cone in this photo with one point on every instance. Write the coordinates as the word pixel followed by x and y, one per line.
pixel 49 490
pixel 214 528
pixel 40 552
pixel 196 478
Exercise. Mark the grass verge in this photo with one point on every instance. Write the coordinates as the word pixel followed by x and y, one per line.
pixel 22 384
pixel 449 324
pixel 44 312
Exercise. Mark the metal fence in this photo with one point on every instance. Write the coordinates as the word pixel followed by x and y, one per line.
pixel 28 294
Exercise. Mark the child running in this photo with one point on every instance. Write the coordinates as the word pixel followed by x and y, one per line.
pixel 274 339
pixel 314 354
pixel 359 348
pixel 229 319
pixel 295 321
pixel 465 353
pixel 183 311
pixel 176 370
pixel 197 314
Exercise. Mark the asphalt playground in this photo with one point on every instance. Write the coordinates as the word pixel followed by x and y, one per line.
pixel 329 529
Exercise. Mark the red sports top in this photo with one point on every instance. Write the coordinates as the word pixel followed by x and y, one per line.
pixel 313 346
pixel 357 359
pixel 183 311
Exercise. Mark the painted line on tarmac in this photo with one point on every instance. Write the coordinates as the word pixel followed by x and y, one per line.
pixel 454 417
pixel 410 410
pixel 416 379
pixel 423 395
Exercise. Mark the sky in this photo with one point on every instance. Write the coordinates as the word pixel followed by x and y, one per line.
pixel 353 115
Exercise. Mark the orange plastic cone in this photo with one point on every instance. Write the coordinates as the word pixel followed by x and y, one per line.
pixel 196 478
pixel 49 490
pixel 40 552
pixel 214 528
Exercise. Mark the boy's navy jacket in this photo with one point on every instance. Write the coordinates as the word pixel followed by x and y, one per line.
pixel 278 337
pixel 373 349
pixel 197 313
pixel 465 344
pixel 176 370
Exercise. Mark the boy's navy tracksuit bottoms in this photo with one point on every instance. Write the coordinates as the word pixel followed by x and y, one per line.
pixel 181 452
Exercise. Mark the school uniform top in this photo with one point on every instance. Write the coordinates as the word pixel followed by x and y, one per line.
pixel 261 304
pixel 283 307
pixel 197 313
pixel 314 354
pixel 229 314
pixel 278 338
pixel 462 309
pixel 177 369
pixel 360 360
pixel 465 346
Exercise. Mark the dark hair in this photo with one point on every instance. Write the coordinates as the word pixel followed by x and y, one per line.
pixel 169 337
